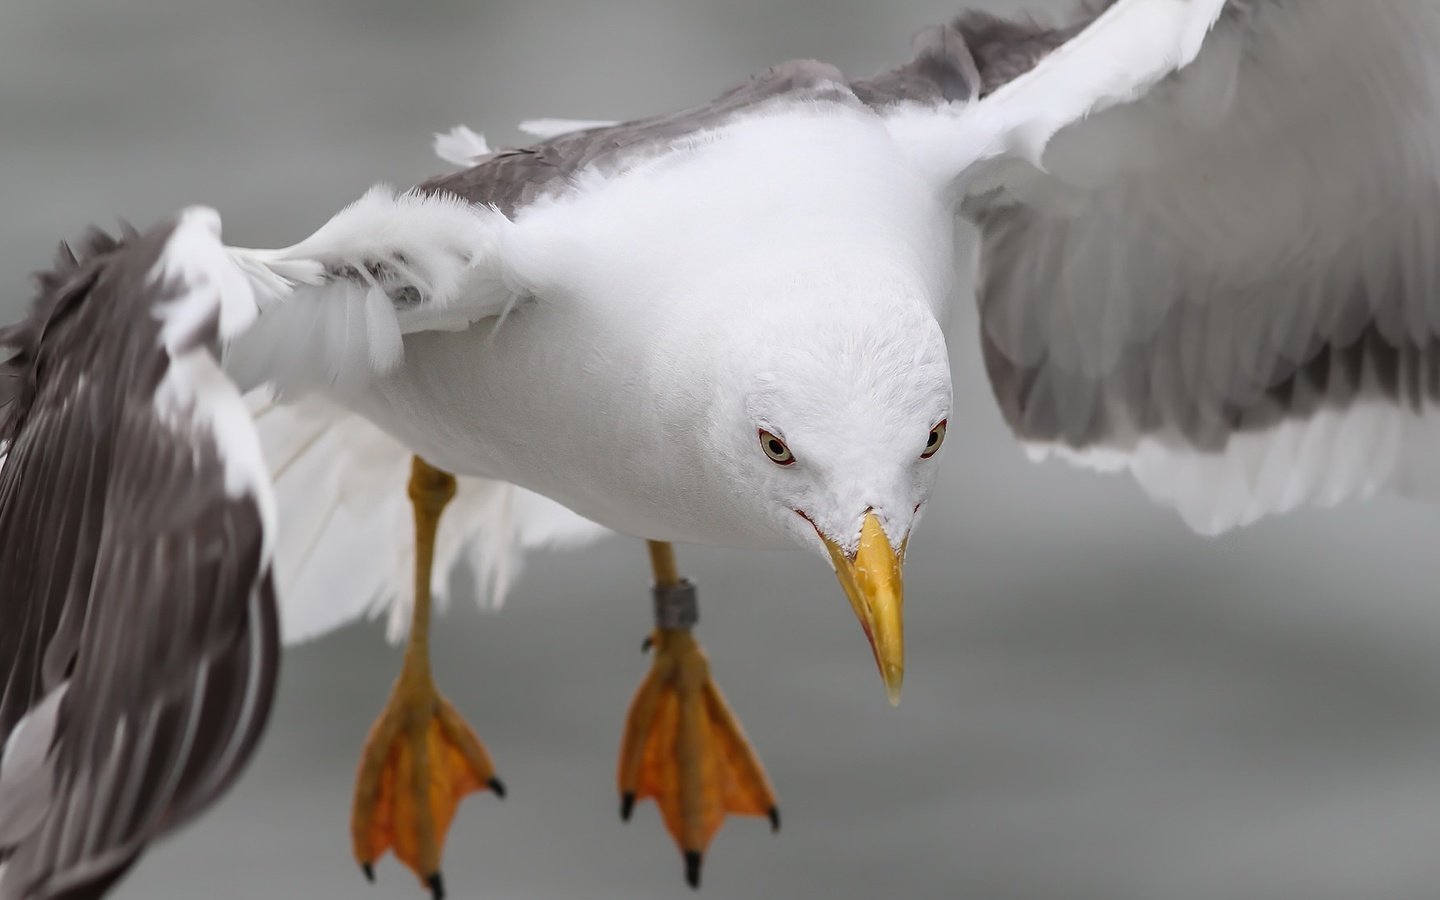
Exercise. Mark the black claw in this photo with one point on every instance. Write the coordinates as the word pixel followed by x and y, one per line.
pixel 627 805
pixel 692 868
pixel 368 871
pixel 646 644
pixel 774 814
pixel 498 787
pixel 437 887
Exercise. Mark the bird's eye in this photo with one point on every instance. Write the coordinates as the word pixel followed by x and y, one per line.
pixel 937 437
pixel 776 449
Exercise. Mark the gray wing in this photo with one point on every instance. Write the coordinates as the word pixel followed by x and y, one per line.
pixel 966 59
pixel 513 178
pixel 1226 283
pixel 139 645
pixel 1230 286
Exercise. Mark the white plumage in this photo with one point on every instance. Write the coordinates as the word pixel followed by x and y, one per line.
pixel 460 146
pixel 195 393
pixel 548 128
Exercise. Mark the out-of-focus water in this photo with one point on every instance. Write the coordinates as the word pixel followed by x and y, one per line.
pixel 1100 706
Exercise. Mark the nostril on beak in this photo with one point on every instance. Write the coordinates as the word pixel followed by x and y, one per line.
pixel 880 517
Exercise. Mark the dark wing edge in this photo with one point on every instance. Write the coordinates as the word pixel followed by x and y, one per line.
pixel 512 178
pixel 968 58
pixel 140 645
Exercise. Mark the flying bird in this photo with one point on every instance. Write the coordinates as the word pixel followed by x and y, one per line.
pixel 1205 234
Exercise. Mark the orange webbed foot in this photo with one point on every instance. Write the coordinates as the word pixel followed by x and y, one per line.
pixel 420 760
pixel 685 749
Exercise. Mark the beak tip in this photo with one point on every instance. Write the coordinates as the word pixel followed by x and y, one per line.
pixel 892 693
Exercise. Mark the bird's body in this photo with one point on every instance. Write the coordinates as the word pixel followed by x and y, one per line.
pixel 667 280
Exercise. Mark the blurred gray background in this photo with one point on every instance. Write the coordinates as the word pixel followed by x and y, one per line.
pixel 1099 705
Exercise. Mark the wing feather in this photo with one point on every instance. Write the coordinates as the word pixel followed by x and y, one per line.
pixel 1228 285
pixel 334 307
pixel 140 645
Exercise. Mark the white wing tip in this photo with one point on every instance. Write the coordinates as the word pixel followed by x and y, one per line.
pixel 194 255
pixel 460 146
pixel 1100 459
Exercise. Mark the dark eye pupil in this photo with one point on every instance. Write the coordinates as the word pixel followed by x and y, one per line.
pixel 934 438
pixel 776 447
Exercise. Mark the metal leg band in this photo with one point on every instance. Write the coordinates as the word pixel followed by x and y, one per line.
pixel 676 608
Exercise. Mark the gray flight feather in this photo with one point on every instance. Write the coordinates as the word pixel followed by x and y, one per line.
pixel 1201 273
pixel 140 646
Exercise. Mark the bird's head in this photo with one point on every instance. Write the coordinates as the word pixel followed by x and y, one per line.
pixel 832 431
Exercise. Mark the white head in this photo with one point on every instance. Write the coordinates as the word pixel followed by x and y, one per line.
pixel 828 422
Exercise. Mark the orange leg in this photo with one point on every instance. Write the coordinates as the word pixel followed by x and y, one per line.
pixel 421 757
pixel 683 746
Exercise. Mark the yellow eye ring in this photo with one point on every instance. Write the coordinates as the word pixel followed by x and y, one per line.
pixel 937 437
pixel 775 448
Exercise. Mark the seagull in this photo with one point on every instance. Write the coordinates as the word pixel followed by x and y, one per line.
pixel 1205 233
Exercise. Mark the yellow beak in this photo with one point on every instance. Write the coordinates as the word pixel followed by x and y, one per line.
pixel 872 581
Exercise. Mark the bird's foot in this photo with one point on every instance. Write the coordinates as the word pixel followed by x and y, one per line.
pixel 420 759
pixel 684 748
